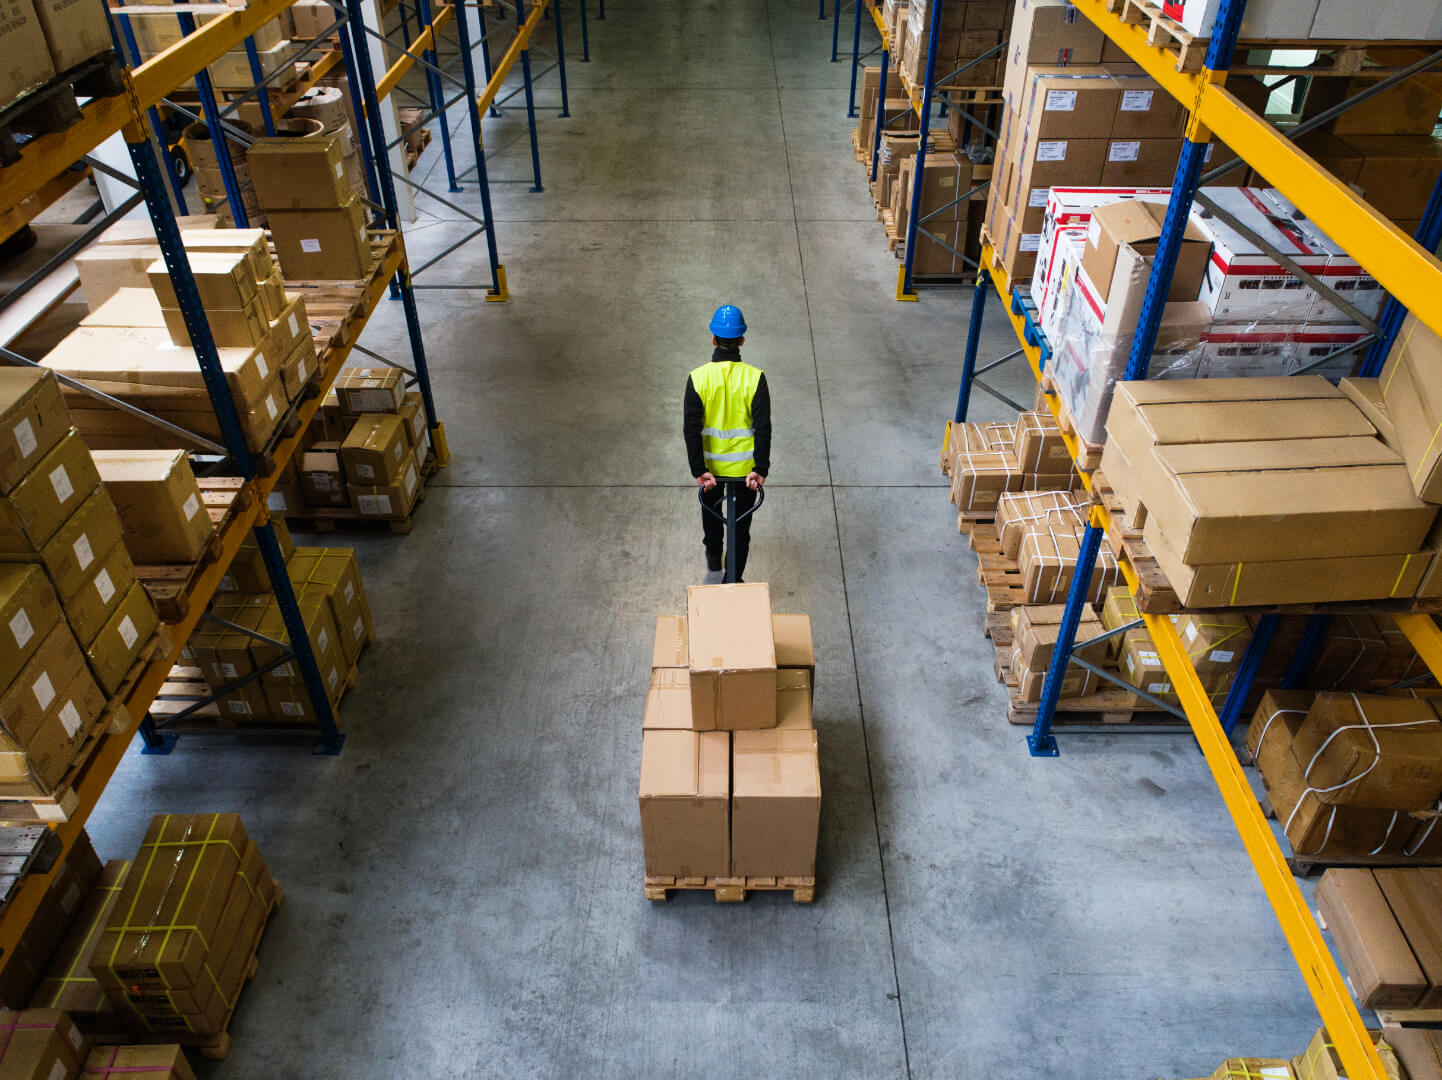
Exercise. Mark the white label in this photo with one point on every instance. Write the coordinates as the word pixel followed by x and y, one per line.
pixel 310 247
pixel 398 450
pixel 21 628
pixel 1190 632
pixel 291 708
pixel 284 671
pixel 1124 151
pixel 1221 656
pixel 367 505
pixel 70 717
pixel 261 364
pixel 1149 657
pixel 270 407
pixel 104 586
pixel 1060 100
pixel 1030 242
pixel 224 671
pixel 364 471
pixel 43 690
pixel 58 1071
pixel 60 481
pixel 301 370
pixel 83 555
pixel 340 168
pixel 192 506
pixel 25 437
pixel 349 592
pixel 1051 150
pixel 370 383
pixel 1094 232
pixel 1136 100
pixel 333 678
pixel 1159 688
pixel 358 631
pixel 1037 198
pixel 1207 154
pixel 410 479
pixel 294 325
pixel 383 504
pixel 323 640
pixel 227 584
pixel 276 501
pixel 128 632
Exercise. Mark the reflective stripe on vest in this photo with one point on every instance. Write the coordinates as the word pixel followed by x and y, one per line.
pixel 726 389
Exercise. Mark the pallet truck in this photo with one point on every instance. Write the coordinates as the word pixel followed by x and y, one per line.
pixel 730 485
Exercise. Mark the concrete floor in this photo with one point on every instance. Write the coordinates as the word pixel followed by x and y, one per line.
pixel 464 895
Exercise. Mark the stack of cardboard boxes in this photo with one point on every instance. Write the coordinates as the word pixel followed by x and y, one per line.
pixel 44 38
pixel 1214 642
pixel 986 461
pixel 365 450
pixel 71 883
pixel 157 31
pixel 67 982
pixel 1319 1061
pixel 75 617
pixel 205 162
pixel 969 34
pixel 1268 491
pixel 332 599
pixel 1386 926
pixel 730 785
pixel 316 219
pixel 136 347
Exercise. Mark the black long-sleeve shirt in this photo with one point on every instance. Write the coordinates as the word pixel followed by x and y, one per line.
pixel 695 419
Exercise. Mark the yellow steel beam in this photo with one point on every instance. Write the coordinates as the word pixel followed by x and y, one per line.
pixel 880 22
pixel 397 71
pixel 162 73
pixel 519 44
pixel 43 157
pixel 1426 637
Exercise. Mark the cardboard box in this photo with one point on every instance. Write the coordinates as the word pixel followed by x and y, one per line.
pixel 1076 682
pixel 685 809
pixel 775 803
pixel 393 501
pixel 1366 394
pixel 1034 630
pixel 732 656
pixel 224 280
pixel 334 571
pixel 1138 225
pixel 1047 559
pixel 1380 964
pixel 794 693
pixel 1397 173
pixel 369 390
pixel 1371 751
pixel 794 647
pixel 1412 391
pixel 1415 897
pixel 107 269
pixel 232 329
pixel 41 1044
pixel 1142 666
pixel 1253 1069
pixel 27 700
pixel 1314 827
pixel 1419 1050
pixel 668 701
pixel 38 769
pixel 375 451
pixel 670 649
pixel 1274 725
pixel 315 609
pixel 1051 32
pixel 1039 446
pixel 1244 282
pixel 322 477
pixel 298 174
pixel 22 39
pixel 159 502
pixel 69 881
pixel 33 419
pixel 138 1062
pixel 1277 19
pixel 299 366
pixel 1214 641
pixel 1016 513
pixel 46 496
pixel 322 244
pixel 70 554
pixel 29 610
pixel 115 648
pixel 413 412
pixel 67 983
pixel 89 607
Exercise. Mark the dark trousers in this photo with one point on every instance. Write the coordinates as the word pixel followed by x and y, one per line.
pixel 713 529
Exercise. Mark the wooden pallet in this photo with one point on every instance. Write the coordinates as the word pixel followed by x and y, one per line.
pixel 55 105
pixel 185 687
pixel 114 719
pixel 171 585
pixel 732 890
pixel 968 520
pixel 328 519
pixel 24 850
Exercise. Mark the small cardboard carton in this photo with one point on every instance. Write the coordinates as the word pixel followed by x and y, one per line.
pixel 732 656
pixel 685 810
pixel 159 502
pixel 775 803
pixel 1371 751
pixel 33 418
pixel 46 496
pixel 29 610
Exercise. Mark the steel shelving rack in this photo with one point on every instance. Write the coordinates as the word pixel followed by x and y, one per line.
pixel 47 157
pixel 1406 267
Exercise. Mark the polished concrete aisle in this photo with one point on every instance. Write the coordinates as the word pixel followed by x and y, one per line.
pixel 464 882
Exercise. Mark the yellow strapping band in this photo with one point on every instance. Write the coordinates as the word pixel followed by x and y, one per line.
pixel 1400 574
pixel 1403 348
pixel 1236 584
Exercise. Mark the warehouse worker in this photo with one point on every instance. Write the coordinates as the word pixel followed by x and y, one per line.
pixel 728 433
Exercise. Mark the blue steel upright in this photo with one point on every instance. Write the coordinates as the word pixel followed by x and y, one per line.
pixel 1184 186
pixel 836 24
pixel 530 99
pixel 585 36
pixel 257 73
pixel 120 28
pixel 919 170
pixel 973 343
pixel 362 132
pixel 855 53
pixel 210 109
pixel 473 114
pixel 561 62
pixel 436 90
pixel 1429 235
pixel 880 112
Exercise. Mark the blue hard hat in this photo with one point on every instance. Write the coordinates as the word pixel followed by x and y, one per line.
pixel 728 322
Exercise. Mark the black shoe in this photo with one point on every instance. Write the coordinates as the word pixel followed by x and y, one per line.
pixel 714 559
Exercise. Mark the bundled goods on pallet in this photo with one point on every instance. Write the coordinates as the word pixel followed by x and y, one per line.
pixel 180 940
pixel 366 448
pixel 43 38
pixel 1214 642
pixel 72 882
pixel 1034 629
pixel 136 347
pixel 137 1063
pixel 40 1044
pixel 75 617
pixel 730 785
pixel 1349 773
pixel 986 461
pixel 898 114
pixel 316 219
pixel 1386 927
pixel 331 595
pixel 1268 491
pixel 968 36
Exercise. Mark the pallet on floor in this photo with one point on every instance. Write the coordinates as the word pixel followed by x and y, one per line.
pixel 731 890
pixel 114 719
pixel 171 585
pixel 328 519
pixel 55 105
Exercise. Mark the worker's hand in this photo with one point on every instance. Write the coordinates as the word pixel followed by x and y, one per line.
pixel 754 480
pixel 706 481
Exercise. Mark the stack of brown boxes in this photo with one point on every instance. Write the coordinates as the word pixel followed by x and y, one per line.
pixel 1387 929
pixel 157 31
pixel 205 163
pixel 366 447
pixel 1267 491
pixel 40 1044
pixel 68 595
pixel 175 950
pixel 730 785
pixel 1319 1061
pixel 136 347
pixel 70 883
pixel 137 1063
pixel 983 468
pixel 122 255
pixel 318 223
pixel 968 436
pixel 67 983
pixel 1346 772
pixel 332 599
pixel 1214 642
pixel 970 29
pixel 46 37
pixel 947 176
pixel 1034 629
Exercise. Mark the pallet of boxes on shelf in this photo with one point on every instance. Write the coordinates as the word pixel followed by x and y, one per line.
pixel 202 690
pixel 78 625
pixel 730 788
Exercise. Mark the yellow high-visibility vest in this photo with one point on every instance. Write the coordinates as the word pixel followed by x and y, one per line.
pixel 728 441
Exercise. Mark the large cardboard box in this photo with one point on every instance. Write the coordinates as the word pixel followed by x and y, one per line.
pixel 40 1044
pixel 70 554
pixel 159 502
pixel 732 656
pixel 89 607
pixel 1419 1050
pixel 29 610
pixel 33 419
pixel 224 280
pixel 685 809
pixel 1412 391
pixel 775 803
pixel 24 704
pixel 1371 751
pixel 22 40
pixel 1379 962
pixel 1274 725
pixel 53 490
pixel 298 174
pixel 322 244
pixel 1415 896
pixel 125 633
pixel 375 451
pixel 670 649
pixel 106 269
pixel 369 390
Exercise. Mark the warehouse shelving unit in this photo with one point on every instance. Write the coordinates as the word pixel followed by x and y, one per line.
pixel 1412 275
pixel 49 156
